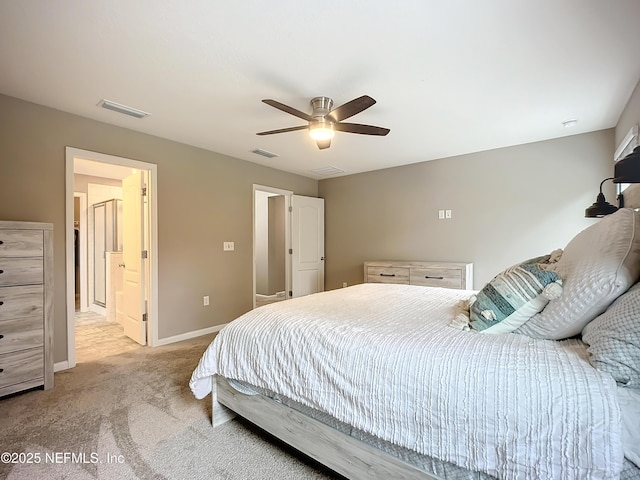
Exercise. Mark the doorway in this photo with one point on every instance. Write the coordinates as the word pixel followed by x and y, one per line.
pixel 271 244
pixel 288 245
pixel 80 273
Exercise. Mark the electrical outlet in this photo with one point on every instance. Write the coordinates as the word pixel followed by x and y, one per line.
pixel 205 300
pixel 344 284
pixel 447 214
pixel 228 246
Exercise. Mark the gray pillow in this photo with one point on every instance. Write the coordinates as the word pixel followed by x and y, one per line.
pixel 613 339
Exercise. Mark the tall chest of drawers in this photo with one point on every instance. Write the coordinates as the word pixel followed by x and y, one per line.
pixel 427 274
pixel 26 306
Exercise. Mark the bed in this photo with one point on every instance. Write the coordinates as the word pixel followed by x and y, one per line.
pixel 399 381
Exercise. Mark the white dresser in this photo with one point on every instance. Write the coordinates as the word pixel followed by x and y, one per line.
pixel 26 306
pixel 427 274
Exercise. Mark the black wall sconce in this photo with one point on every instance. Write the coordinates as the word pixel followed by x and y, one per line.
pixel 626 170
pixel 601 207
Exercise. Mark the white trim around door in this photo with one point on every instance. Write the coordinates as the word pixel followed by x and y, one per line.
pixel 152 304
pixel 287 235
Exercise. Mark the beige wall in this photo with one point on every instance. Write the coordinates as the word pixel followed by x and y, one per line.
pixel 204 198
pixel 508 204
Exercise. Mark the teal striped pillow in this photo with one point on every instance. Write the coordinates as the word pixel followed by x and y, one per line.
pixel 513 297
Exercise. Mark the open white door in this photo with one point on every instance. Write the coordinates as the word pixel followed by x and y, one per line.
pixel 133 191
pixel 307 240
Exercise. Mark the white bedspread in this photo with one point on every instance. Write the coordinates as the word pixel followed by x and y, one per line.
pixel 383 359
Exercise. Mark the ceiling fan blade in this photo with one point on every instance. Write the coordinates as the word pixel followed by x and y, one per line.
pixel 322 144
pixel 288 109
pixel 361 129
pixel 283 130
pixel 349 109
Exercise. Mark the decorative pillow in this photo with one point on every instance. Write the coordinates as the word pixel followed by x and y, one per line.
pixel 597 266
pixel 513 297
pixel 614 339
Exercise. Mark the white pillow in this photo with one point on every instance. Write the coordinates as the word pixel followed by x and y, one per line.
pixel 597 266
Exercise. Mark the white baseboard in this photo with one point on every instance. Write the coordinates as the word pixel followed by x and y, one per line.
pixel 189 335
pixel 57 367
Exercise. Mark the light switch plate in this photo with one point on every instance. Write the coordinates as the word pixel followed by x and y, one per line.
pixel 441 214
pixel 228 246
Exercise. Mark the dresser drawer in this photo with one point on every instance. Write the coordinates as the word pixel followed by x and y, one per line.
pixel 422 273
pixel 20 334
pixel 21 301
pixel 21 243
pixel 436 277
pixel 387 274
pixel 21 366
pixel 20 271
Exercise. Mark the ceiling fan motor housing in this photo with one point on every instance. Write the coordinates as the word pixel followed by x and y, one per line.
pixel 321 106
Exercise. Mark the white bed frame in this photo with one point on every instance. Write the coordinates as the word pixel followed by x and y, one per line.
pixel 339 451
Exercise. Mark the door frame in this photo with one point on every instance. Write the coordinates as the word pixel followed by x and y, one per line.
pixel 287 235
pixel 82 251
pixel 71 153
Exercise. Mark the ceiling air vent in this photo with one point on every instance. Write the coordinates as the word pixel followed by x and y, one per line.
pixel 116 107
pixel 327 171
pixel 264 153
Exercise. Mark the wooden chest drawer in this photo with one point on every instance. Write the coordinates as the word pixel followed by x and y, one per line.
pixel 26 306
pixel 387 275
pixel 21 301
pixel 422 273
pixel 436 277
pixel 21 366
pixel 21 333
pixel 21 243
pixel 21 271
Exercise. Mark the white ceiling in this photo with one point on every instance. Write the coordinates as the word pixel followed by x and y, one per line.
pixel 450 76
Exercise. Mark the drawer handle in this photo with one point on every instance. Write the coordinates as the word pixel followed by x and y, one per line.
pixel 1 271
pixel 1 336
pixel 1 242
pixel 435 278
pixel 387 274
pixel 1 370
pixel 1 303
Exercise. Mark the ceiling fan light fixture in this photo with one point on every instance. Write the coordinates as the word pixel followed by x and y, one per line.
pixel 322 132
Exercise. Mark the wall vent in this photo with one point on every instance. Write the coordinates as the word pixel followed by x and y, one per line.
pixel 264 153
pixel 116 107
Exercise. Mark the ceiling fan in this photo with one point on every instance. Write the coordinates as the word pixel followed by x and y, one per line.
pixel 324 122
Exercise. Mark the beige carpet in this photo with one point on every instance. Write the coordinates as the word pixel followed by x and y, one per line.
pixel 132 416
pixel 98 338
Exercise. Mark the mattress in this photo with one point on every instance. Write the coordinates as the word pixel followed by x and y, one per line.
pixel 383 359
